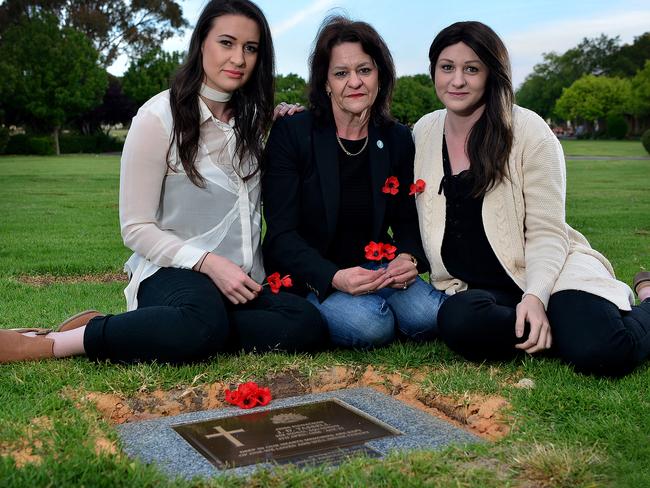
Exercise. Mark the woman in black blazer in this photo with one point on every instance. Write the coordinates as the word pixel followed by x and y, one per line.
pixel 329 190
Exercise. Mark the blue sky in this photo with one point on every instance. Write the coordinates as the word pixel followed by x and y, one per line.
pixel 528 28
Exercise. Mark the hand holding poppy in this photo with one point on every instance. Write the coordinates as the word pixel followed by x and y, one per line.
pixel 360 281
pixel 231 280
pixel 403 270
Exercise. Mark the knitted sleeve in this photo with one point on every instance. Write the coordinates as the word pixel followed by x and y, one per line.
pixel 545 229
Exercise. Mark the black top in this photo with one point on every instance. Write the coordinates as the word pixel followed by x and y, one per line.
pixel 354 226
pixel 466 251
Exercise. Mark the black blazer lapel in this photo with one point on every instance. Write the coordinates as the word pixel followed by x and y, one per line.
pixel 326 158
pixel 379 171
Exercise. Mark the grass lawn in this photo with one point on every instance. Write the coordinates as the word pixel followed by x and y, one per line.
pixel 60 227
pixel 603 148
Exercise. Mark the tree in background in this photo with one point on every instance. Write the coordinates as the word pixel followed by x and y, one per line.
pixel 113 26
pixel 290 88
pixel 640 102
pixel 630 58
pixel 49 74
pixel 413 97
pixel 544 86
pixel 592 98
pixel 116 108
pixel 150 74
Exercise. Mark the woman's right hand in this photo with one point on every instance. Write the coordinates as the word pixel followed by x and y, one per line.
pixel 359 281
pixel 236 285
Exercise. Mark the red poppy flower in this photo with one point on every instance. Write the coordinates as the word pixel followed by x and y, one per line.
pixel 248 389
pixel 233 397
pixel 263 396
pixel 286 281
pixel 391 185
pixel 248 395
pixel 275 282
pixel 388 251
pixel 374 251
pixel 417 187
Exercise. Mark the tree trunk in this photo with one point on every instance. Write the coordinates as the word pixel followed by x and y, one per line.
pixel 55 134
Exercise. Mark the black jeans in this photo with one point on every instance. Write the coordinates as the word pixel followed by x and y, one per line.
pixel 588 331
pixel 182 316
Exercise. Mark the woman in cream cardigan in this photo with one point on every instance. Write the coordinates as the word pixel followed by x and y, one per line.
pixel 493 225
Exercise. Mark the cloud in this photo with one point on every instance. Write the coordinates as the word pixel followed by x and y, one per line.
pixel 526 47
pixel 315 8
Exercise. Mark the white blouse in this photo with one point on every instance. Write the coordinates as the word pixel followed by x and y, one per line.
pixel 170 222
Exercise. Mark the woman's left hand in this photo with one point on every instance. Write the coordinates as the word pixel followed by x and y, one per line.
pixel 284 108
pixel 403 271
pixel 531 310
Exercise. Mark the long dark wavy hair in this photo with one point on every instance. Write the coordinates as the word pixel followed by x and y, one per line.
pixel 336 30
pixel 490 140
pixel 252 104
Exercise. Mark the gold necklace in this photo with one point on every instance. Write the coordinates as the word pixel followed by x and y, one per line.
pixel 348 152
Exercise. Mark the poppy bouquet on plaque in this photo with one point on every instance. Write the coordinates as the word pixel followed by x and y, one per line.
pixel 248 395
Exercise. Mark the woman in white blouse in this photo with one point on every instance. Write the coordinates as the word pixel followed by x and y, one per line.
pixel 190 211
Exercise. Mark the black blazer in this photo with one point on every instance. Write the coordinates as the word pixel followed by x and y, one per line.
pixel 301 189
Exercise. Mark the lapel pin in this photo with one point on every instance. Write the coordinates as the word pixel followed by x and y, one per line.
pixel 380 144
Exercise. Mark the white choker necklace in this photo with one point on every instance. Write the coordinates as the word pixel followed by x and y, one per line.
pixel 214 95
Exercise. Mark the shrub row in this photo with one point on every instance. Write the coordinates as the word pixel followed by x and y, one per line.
pixel 645 140
pixel 95 143
pixel 24 144
pixel 68 144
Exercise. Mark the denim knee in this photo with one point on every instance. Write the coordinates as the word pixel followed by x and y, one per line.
pixel 361 322
pixel 416 310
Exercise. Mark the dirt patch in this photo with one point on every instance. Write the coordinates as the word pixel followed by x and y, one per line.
pixel 26 449
pixel 482 415
pixel 47 279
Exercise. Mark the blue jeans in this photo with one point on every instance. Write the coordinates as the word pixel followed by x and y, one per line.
pixel 366 321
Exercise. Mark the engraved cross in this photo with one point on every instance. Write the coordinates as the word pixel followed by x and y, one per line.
pixel 227 434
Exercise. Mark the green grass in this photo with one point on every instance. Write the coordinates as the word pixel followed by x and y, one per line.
pixel 59 217
pixel 603 148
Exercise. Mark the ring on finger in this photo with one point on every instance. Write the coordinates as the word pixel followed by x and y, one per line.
pixel 404 286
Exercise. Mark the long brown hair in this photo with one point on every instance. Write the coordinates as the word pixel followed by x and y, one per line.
pixel 252 104
pixel 490 139
pixel 336 30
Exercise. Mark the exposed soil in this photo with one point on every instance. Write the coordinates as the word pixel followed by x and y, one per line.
pixel 483 415
pixel 37 439
pixel 26 450
pixel 47 279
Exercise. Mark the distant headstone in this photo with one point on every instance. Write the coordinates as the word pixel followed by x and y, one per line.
pixel 309 429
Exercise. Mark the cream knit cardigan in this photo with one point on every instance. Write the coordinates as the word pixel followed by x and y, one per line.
pixel 523 216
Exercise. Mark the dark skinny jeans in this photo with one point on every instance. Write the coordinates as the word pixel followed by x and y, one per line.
pixel 588 331
pixel 182 316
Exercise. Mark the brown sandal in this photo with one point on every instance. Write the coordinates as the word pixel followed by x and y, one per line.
pixel 78 320
pixel 641 280
pixel 15 346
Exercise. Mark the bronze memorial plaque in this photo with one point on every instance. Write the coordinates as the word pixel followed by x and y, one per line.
pixel 312 433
